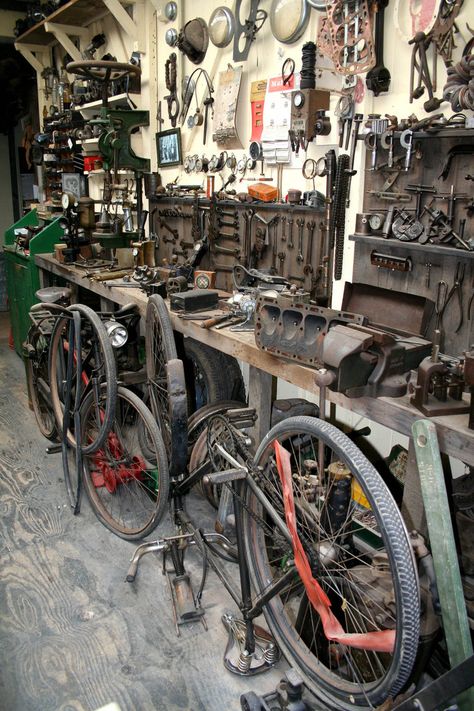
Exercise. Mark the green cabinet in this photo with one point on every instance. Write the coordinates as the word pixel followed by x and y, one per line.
pixel 22 272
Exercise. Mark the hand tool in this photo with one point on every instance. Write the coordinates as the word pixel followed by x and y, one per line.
pixel 419 190
pixel 308 267
pixel 451 199
pixel 228 223
pixel 210 322
pixel 429 266
pixel 283 228
pixel 300 223
pixel 378 78
pixel 226 250
pixel 225 235
pixel 290 233
pixel 171 84
pixel 406 141
pixel 456 289
pixel 281 257
pixel 445 232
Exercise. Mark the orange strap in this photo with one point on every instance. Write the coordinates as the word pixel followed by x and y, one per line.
pixel 380 641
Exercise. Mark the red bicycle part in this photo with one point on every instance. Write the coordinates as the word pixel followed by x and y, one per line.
pixel 110 469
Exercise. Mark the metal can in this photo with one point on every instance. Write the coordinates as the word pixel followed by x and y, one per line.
pixel 210 186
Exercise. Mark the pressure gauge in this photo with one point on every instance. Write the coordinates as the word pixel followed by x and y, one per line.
pixel 376 221
pixel 190 121
pixel 298 99
pixel 67 200
pixel 192 162
pixel 198 166
pixel 231 162
pixel 250 164
pixel 186 162
pixel 213 163
pixel 255 150
pixel 242 165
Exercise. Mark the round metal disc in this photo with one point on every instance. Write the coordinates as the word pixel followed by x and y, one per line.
pixel 221 26
pixel 288 19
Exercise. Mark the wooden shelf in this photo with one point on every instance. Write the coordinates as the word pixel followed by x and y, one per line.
pixel 93 107
pixel 79 13
pixel 439 249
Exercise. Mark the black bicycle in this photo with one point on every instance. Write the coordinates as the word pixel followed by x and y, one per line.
pixel 322 543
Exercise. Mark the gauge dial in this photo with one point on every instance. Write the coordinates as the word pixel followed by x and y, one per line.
pixel 298 99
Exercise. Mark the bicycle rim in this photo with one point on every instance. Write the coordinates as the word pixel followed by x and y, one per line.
pixel 127 488
pixel 361 558
pixel 160 347
pixel 38 383
pixel 99 371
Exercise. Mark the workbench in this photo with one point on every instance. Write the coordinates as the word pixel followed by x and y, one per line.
pixel 455 438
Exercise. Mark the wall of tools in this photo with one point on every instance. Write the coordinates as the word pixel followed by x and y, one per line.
pixel 335 116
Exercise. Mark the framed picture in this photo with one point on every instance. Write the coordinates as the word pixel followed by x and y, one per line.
pixel 168 146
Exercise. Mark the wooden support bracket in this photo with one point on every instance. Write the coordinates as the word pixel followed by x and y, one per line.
pixel 128 25
pixel 63 34
pixel 36 55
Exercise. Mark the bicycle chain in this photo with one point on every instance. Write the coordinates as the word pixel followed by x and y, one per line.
pixel 339 212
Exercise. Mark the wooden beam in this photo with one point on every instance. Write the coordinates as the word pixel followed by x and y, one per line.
pixel 61 33
pixel 28 53
pixel 122 17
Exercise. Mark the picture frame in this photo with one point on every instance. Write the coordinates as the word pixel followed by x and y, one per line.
pixel 168 148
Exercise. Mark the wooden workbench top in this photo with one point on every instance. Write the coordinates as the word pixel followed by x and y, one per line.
pixel 455 439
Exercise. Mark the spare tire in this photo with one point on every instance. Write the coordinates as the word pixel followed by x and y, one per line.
pixel 211 376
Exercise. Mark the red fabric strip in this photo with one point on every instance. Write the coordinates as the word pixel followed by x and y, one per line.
pixel 379 641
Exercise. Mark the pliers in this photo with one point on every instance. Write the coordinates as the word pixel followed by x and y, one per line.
pixel 457 288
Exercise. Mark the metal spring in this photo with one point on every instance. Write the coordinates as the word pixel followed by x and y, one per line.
pixel 245 660
pixel 271 654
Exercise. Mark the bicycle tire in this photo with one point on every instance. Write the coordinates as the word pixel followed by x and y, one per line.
pixel 166 383
pixel 127 492
pixel 37 380
pixel 337 674
pixel 211 376
pixel 107 379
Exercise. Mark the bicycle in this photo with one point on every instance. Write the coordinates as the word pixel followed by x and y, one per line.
pixel 70 359
pixel 336 581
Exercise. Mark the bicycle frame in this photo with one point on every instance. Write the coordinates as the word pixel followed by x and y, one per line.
pixel 239 477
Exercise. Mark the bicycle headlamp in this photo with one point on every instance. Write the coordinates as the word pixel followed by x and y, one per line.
pixel 117 333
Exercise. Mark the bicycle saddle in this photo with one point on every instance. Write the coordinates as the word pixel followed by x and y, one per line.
pixel 53 294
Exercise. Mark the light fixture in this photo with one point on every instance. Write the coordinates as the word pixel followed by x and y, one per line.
pixel 117 333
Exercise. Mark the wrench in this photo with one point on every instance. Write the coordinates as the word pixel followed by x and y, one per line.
pixel 281 257
pixel 164 225
pixel 308 267
pixel 300 224
pixel 406 141
pixel 283 228
pixel 290 230
pixel 223 235
pixel 226 250
pixel 224 223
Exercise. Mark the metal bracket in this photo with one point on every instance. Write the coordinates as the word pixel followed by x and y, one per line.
pixel 63 34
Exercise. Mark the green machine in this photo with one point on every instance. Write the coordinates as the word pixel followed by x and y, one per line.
pixel 23 240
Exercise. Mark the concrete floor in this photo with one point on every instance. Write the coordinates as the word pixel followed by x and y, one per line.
pixel 73 635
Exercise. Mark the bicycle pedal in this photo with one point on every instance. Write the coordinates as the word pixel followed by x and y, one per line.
pixel 224 476
pixel 53 448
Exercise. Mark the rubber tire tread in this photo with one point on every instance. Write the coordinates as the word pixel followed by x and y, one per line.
pixel 110 372
pixel 156 310
pixel 399 551
pixel 221 373
pixel 52 432
pixel 146 414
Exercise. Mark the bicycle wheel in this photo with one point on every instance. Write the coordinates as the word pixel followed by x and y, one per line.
pixel 361 558
pixel 36 364
pixel 127 491
pixel 166 383
pixel 98 371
